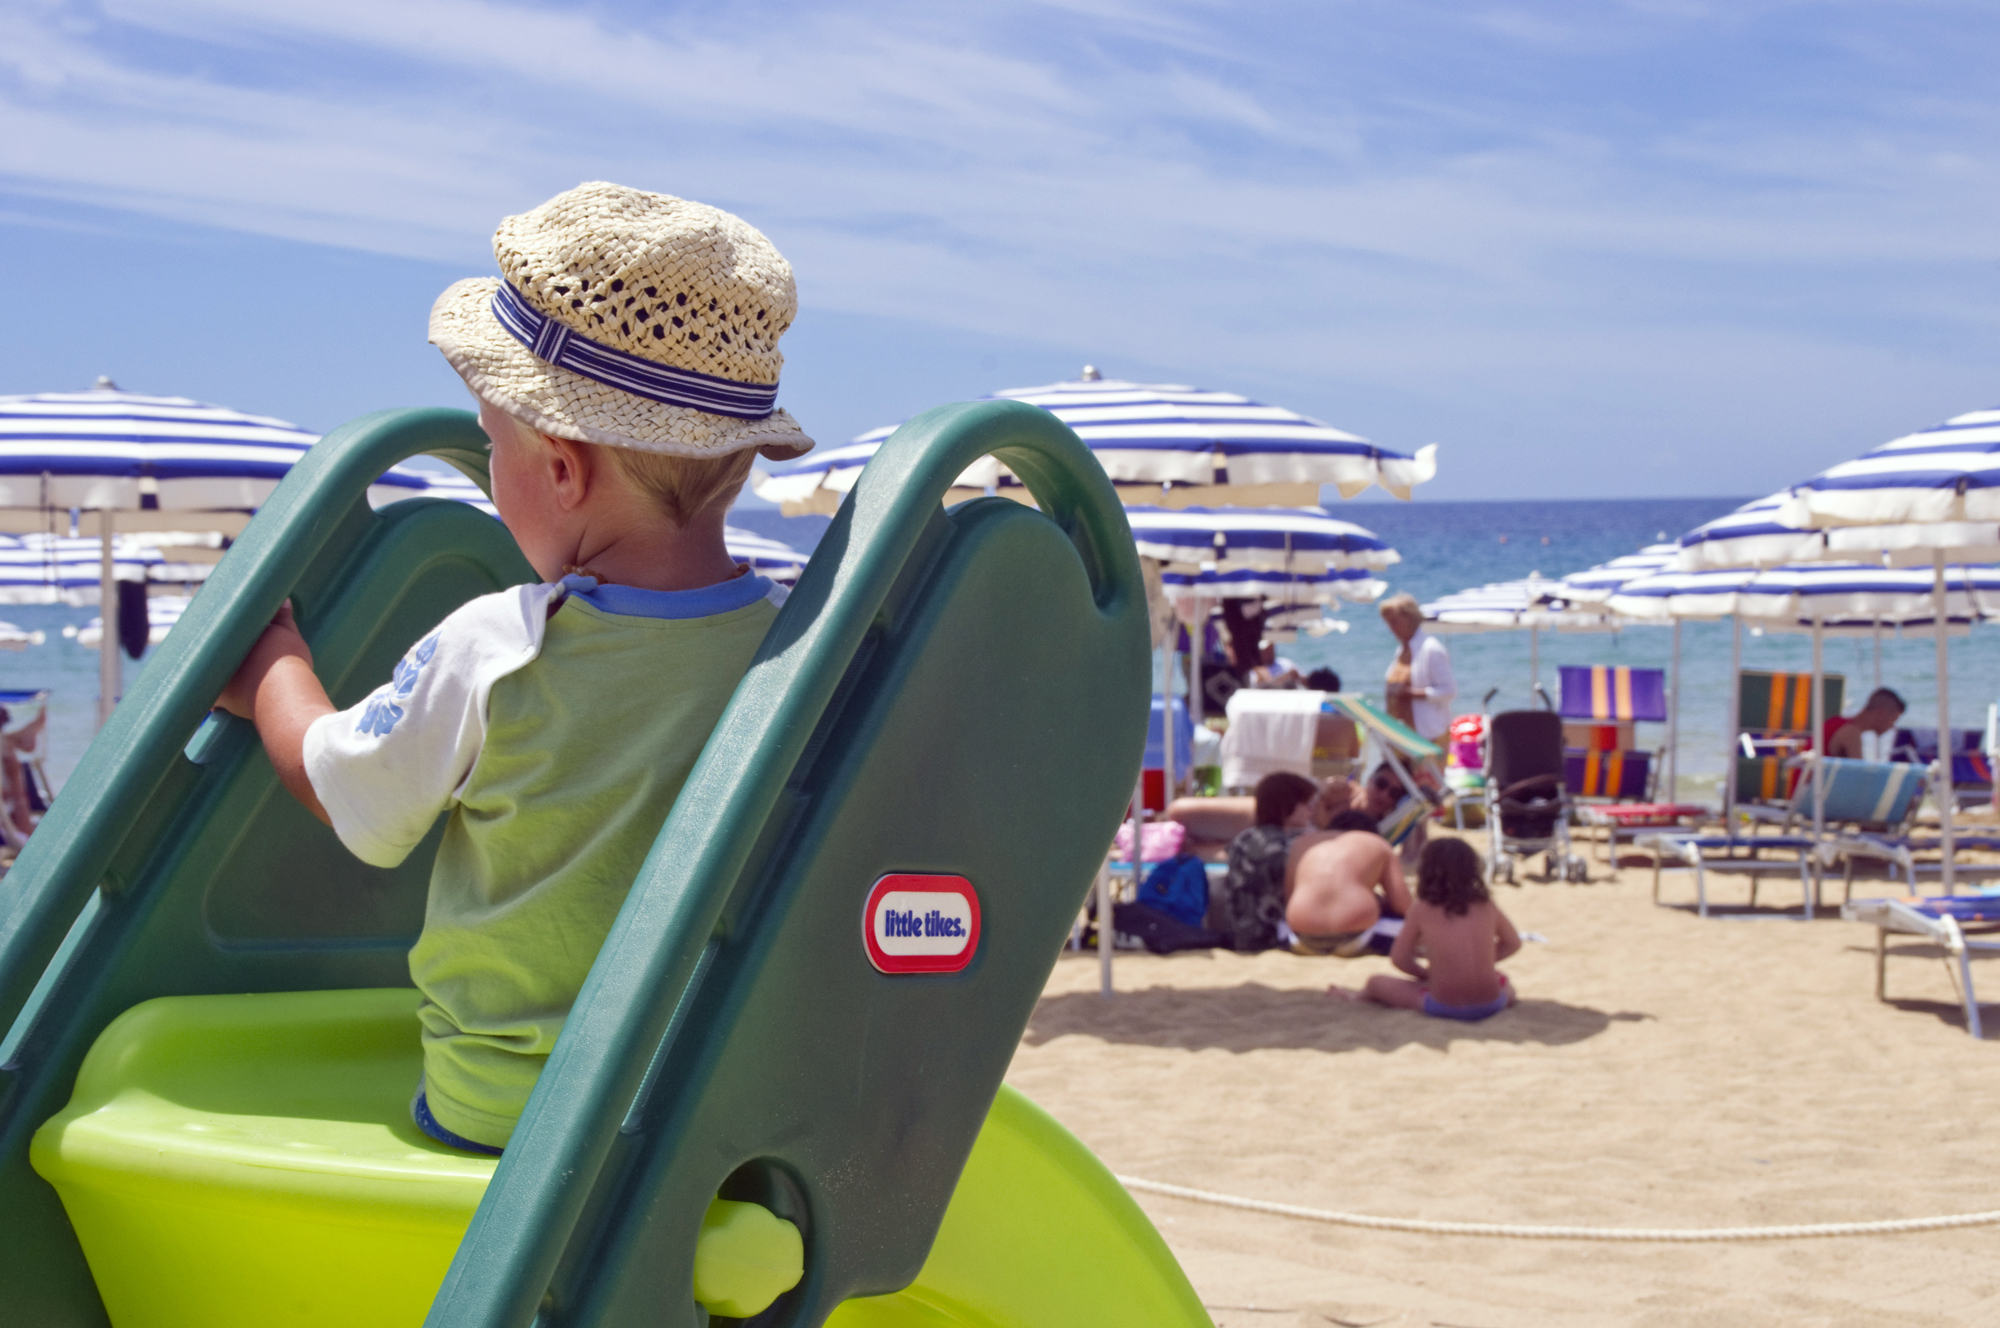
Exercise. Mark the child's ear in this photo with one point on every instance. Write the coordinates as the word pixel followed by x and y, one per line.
pixel 570 469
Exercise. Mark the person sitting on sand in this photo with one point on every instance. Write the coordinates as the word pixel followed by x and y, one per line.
pixel 1339 882
pixel 1463 934
pixel 1254 893
pixel 1882 712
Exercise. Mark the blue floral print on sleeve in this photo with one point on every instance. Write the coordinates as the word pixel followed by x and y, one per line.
pixel 381 712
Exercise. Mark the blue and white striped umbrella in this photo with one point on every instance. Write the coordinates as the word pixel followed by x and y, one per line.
pixel 106 449
pixel 768 557
pixel 1936 490
pixel 1535 602
pixel 1594 585
pixel 1163 444
pixel 1762 533
pixel 44 570
pixel 1351 584
pixel 1274 539
pixel 1844 594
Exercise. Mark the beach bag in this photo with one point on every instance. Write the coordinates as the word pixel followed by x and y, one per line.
pixel 1178 888
pixel 1162 933
pixel 1158 841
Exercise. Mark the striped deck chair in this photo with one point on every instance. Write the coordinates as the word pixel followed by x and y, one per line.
pixel 1615 697
pixel 1774 725
pixel 1939 922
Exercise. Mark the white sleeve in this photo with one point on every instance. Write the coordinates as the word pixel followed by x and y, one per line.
pixel 1439 685
pixel 385 768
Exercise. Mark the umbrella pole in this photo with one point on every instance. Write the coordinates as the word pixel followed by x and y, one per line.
pixel 1168 766
pixel 1197 643
pixel 109 668
pixel 1878 653
pixel 1818 768
pixel 1674 719
pixel 1534 663
pixel 1730 709
pixel 1945 796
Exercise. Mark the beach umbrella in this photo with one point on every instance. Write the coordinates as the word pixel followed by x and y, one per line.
pixel 38 569
pixel 1596 584
pixel 1928 497
pixel 1761 533
pixel 1534 604
pixel 162 612
pixel 766 556
pixel 1292 555
pixel 133 462
pixel 1925 497
pixel 1162 444
pixel 1279 539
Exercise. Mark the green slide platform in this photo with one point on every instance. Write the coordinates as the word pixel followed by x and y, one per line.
pixel 777 1099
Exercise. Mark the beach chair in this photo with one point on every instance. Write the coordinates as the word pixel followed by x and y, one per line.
pixel 783 1076
pixel 1773 726
pixel 1861 797
pixel 1971 765
pixel 1600 704
pixel 1527 804
pixel 1937 921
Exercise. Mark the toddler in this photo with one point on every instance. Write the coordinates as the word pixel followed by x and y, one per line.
pixel 626 367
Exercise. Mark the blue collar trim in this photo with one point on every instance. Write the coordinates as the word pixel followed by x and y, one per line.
pixel 631 602
pixel 569 349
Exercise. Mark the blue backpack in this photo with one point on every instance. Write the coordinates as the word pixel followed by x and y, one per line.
pixel 1178 887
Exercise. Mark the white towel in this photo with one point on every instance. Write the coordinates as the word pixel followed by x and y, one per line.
pixel 1270 729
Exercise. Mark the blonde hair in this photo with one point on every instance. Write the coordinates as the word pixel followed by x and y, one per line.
pixel 1400 604
pixel 680 486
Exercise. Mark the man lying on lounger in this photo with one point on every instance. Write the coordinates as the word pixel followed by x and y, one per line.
pixel 1341 881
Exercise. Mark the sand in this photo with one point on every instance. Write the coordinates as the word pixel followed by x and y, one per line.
pixel 1660 1071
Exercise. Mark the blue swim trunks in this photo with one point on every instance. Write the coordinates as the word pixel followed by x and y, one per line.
pixel 1468 1014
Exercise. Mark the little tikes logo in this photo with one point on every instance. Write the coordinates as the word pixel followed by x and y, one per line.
pixel 921 924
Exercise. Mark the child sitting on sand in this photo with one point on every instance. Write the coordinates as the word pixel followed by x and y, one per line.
pixel 1460 931
pixel 626 366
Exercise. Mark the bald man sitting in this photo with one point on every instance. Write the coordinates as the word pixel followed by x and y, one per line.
pixel 1338 884
pixel 1882 712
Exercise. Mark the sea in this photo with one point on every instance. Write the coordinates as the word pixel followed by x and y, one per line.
pixel 1445 547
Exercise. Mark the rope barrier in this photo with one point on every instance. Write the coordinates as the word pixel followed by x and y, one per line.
pixel 1518 1232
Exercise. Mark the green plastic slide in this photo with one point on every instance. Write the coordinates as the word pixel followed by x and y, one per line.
pixel 782 1078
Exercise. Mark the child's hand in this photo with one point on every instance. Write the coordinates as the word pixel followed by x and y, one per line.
pixel 281 641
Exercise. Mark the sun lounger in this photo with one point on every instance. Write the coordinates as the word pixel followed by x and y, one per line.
pixel 1940 922
pixel 1906 856
pixel 1863 796
pixel 1738 855
pixel 1631 820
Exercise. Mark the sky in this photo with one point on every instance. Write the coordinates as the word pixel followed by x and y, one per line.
pixel 1605 248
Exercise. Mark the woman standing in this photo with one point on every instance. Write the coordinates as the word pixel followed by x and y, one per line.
pixel 1421 687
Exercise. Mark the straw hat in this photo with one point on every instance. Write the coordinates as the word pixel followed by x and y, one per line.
pixel 631 319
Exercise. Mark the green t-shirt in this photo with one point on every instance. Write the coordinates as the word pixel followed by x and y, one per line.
pixel 584 746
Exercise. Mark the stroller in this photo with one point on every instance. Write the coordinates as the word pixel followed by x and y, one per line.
pixel 1527 805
